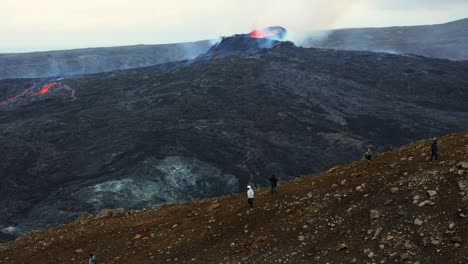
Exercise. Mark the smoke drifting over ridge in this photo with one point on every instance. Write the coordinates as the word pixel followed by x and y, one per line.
pixel 303 17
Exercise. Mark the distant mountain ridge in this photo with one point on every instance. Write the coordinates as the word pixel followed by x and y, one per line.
pixel 95 60
pixel 445 41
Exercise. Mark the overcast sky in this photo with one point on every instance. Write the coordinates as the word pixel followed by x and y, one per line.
pixel 27 25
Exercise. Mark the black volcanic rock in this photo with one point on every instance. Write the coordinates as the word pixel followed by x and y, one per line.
pixel 142 137
pixel 242 45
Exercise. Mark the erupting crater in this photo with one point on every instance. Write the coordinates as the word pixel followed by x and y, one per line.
pixel 275 32
pixel 253 42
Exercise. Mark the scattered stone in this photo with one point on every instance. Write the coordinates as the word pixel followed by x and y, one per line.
pixel 374 214
pixel 213 206
pixel 432 193
pixel 377 233
pixel 404 256
pixel 137 236
pixel 301 238
pixel 341 247
pixel 394 190
pixel 425 202
pixel 464 165
pixel 435 242
pixel 418 221
pixel 359 188
pixel 79 250
pixel 407 245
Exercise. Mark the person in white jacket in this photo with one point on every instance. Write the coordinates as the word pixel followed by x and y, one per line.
pixel 250 196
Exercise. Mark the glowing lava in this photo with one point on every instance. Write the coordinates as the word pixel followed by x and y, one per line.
pixel 32 92
pixel 46 88
pixel 269 32
pixel 257 33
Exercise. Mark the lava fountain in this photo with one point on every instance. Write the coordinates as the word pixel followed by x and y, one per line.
pixel 275 32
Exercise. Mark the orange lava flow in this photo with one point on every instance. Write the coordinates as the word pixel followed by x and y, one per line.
pixel 46 88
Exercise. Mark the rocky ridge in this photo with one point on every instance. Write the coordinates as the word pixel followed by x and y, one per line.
pixel 399 208
pixel 445 41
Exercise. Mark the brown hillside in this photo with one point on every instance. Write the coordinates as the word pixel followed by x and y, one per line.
pixel 402 209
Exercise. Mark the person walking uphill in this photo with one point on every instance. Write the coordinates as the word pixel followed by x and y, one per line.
pixel 250 196
pixel 92 259
pixel 434 150
pixel 274 184
pixel 368 157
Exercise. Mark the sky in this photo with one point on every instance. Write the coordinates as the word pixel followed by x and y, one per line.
pixel 35 25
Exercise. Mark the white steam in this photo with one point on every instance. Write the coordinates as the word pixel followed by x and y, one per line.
pixel 302 17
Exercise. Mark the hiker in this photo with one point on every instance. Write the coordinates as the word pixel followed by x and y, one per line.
pixel 274 184
pixel 250 196
pixel 92 259
pixel 434 149
pixel 368 155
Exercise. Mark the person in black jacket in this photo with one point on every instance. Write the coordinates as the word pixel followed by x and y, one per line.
pixel 274 184
pixel 434 149
pixel 92 259
pixel 368 155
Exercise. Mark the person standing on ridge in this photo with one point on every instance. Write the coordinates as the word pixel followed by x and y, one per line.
pixel 274 184
pixel 250 196
pixel 92 259
pixel 368 155
pixel 434 149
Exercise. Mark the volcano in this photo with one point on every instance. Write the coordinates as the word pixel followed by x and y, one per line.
pixel 251 43
pixel 144 137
